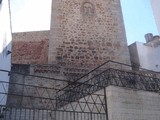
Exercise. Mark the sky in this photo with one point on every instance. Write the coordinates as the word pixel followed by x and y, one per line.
pixel 34 15
pixel 138 19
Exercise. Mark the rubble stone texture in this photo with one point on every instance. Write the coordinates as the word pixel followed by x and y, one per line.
pixel 30 47
pixel 84 33
pixel 87 33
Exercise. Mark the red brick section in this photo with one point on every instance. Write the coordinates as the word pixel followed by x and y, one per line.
pixel 32 52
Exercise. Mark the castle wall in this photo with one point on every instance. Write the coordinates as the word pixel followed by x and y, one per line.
pixel 87 33
pixel 51 78
pixel 30 47
pixel 83 34
pixel 17 89
pixel 26 85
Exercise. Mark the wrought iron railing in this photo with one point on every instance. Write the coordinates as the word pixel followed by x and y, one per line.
pixel 84 95
pixel 30 94
pixel 12 113
pixel 110 73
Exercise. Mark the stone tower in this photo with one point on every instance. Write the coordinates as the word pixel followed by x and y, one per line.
pixel 84 33
pixel 87 33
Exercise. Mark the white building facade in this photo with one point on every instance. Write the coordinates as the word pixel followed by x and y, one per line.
pixel 146 55
pixel 156 11
pixel 5 48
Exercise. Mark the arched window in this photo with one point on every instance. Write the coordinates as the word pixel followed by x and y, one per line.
pixel 88 8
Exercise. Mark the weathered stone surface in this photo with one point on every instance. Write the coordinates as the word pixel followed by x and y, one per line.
pixel 57 78
pixel 30 36
pixel 30 47
pixel 17 89
pixel 87 33
pixel 127 104
pixel 83 34
pixel 30 52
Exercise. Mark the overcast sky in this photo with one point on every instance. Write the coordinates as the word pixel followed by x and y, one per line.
pixel 33 15
pixel 30 15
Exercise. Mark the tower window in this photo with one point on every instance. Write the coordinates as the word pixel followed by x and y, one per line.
pixel 88 8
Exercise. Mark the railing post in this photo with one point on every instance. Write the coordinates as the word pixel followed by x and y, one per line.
pixel 91 116
pixel 106 106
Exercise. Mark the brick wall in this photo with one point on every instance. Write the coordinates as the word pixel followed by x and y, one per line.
pixel 30 48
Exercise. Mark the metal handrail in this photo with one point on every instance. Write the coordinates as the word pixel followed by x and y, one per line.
pixel 110 61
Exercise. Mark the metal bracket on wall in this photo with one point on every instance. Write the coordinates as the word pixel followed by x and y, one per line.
pixel 8 52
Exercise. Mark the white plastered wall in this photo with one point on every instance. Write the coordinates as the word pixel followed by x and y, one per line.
pixel 149 57
pixel 5 46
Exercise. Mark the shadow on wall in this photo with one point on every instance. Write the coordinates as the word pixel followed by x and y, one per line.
pixel 5 64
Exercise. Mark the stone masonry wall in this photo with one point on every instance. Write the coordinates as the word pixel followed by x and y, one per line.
pixel 26 85
pixel 87 33
pixel 17 89
pixel 30 47
pixel 38 86
pixel 127 104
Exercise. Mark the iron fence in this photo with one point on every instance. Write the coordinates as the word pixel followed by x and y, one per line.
pixel 34 97
pixel 10 113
